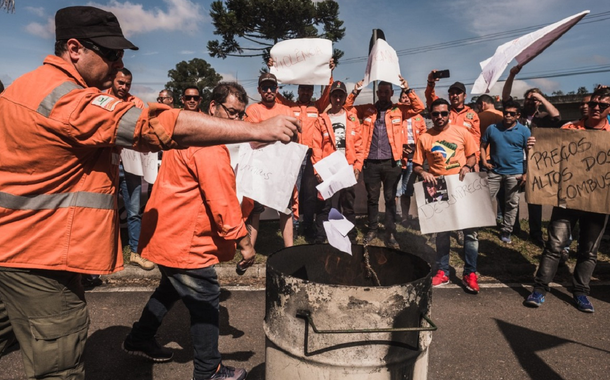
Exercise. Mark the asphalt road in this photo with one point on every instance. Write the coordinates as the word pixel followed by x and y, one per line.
pixel 485 336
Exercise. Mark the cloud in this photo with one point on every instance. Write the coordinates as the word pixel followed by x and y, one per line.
pixel 501 16
pixel 187 52
pixel 39 11
pixel 181 15
pixel 146 93
pixel 46 31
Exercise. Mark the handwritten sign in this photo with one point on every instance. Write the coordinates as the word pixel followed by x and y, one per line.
pixel 142 164
pixel 570 169
pixel 268 174
pixel 302 61
pixel 382 65
pixel 468 205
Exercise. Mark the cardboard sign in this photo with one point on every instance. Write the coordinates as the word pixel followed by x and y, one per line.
pixel 382 65
pixel 570 169
pixel 268 174
pixel 468 205
pixel 302 61
pixel 143 164
pixel 523 50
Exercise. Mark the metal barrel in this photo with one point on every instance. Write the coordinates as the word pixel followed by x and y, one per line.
pixel 326 318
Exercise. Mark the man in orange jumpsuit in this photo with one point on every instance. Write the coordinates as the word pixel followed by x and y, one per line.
pixel 307 112
pixel 187 245
pixel 382 140
pixel 60 138
pixel 263 110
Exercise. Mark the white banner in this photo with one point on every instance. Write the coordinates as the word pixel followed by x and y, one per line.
pixel 302 61
pixel 143 164
pixel 268 174
pixel 382 65
pixel 523 50
pixel 463 204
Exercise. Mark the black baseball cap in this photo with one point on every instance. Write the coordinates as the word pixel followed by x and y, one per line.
pixel 458 86
pixel 338 86
pixel 94 24
pixel 267 77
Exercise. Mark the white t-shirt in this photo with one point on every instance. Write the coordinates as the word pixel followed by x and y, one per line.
pixel 339 121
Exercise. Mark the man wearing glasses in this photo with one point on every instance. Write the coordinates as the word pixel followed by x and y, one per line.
pixel 187 245
pixel 449 149
pixel 257 112
pixel 166 97
pixel 60 138
pixel 592 225
pixel 191 99
pixel 507 141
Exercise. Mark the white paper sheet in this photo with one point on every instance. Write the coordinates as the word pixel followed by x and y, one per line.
pixel 302 61
pixel 268 174
pixel 469 205
pixel 523 50
pixel 143 164
pixel 337 228
pixel 336 174
pixel 382 65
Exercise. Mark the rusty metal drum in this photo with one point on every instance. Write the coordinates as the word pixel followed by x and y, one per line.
pixel 328 318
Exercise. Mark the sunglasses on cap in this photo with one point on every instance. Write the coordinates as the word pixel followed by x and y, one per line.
pixel 602 106
pixel 192 97
pixel 267 88
pixel 110 55
pixel 442 113
pixel 510 113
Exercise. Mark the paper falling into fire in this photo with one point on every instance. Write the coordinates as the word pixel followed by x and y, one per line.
pixel 337 229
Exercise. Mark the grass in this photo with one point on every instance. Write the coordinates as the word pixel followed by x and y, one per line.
pixel 516 262
pixel 497 260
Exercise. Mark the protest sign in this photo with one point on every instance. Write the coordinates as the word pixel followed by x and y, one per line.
pixel 468 205
pixel 570 169
pixel 302 61
pixel 268 174
pixel 382 65
pixel 142 164
pixel 523 50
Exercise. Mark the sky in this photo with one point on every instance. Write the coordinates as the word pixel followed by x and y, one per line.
pixel 439 34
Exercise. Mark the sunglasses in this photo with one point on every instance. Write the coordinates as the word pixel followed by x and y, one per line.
pixel 110 55
pixel 267 88
pixel 233 114
pixel 192 97
pixel 160 99
pixel 442 113
pixel 602 106
pixel 510 113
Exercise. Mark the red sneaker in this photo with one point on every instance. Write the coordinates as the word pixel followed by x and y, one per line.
pixel 440 279
pixel 471 282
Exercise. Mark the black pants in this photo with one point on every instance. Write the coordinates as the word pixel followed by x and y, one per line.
pixel 592 226
pixel 375 173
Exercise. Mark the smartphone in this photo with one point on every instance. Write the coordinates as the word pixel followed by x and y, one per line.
pixel 441 74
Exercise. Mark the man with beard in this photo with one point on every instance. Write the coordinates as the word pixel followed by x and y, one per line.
pixel 60 138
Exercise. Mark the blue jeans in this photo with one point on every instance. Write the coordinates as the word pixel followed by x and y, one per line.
pixel 592 226
pixel 200 292
pixel 471 251
pixel 131 189
pixel 510 184
pixel 405 186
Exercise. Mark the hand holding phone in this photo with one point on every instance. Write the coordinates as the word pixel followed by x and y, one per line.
pixel 441 74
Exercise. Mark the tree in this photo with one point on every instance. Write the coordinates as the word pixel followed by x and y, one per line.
pixel 260 24
pixel 582 91
pixel 196 72
pixel 557 93
pixel 9 5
